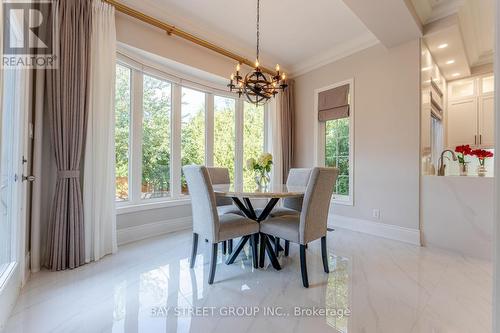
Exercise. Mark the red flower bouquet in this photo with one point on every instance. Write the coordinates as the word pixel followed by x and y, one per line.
pixel 481 155
pixel 462 152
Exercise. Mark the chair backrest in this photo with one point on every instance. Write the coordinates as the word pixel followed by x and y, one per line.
pixel 205 217
pixel 314 215
pixel 296 177
pixel 220 176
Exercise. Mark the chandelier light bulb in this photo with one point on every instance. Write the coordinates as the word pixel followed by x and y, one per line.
pixel 232 76
pixel 238 67
pixel 277 68
pixel 283 76
pixel 257 63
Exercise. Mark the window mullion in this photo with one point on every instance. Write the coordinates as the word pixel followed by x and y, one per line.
pixel 136 137
pixel 175 152
pixel 238 155
pixel 209 129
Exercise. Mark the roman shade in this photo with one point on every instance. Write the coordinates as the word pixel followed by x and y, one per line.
pixel 334 103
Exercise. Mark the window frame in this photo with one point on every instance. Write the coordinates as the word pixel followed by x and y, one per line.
pixel 320 140
pixel 139 67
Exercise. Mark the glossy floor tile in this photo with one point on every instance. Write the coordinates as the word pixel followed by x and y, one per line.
pixel 374 285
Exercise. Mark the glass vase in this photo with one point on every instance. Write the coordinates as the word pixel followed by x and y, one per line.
pixel 464 169
pixel 262 179
pixel 481 171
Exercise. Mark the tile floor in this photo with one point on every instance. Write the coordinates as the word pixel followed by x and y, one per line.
pixel 374 285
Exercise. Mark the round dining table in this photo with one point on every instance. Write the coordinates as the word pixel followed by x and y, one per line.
pixel 273 192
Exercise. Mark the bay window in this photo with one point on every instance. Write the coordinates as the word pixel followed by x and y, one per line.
pixel 122 131
pixel 157 95
pixel 224 133
pixel 253 136
pixel 163 124
pixel 192 130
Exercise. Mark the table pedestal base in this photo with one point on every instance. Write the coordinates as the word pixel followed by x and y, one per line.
pixel 265 243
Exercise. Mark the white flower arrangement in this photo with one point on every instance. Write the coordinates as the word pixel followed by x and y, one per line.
pixel 262 164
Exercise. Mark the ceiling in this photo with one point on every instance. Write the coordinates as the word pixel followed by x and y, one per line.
pixel 297 36
pixel 452 60
pixel 432 10
pixel 467 26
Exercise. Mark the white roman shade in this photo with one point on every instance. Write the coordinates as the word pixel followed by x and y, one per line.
pixel 333 103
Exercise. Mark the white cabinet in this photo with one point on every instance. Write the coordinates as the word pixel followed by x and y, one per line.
pixel 470 114
pixel 462 122
pixel 486 121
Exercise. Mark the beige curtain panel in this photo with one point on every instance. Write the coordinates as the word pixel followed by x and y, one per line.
pixel 287 126
pixel 334 103
pixel 67 90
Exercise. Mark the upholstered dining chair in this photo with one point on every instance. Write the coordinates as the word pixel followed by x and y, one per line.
pixel 208 223
pixel 225 205
pixel 296 177
pixel 312 221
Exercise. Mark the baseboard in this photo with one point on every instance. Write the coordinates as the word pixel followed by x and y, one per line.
pixel 27 268
pixel 143 231
pixel 389 231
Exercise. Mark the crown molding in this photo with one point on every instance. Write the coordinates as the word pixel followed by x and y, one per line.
pixel 179 18
pixel 446 8
pixel 334 54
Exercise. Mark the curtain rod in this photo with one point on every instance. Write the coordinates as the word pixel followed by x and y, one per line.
pixel 172 30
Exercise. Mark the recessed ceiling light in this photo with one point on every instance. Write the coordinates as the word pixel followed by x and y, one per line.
pixel 442 46
pixel 449 62
pixel 455 74
pixel 425 69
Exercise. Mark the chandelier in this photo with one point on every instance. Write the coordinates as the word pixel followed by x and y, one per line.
pixel 257 86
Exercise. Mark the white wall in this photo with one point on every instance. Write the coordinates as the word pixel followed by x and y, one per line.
pixel 386 152
pixel 148 38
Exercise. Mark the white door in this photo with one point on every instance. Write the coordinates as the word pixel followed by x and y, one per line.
pixel 462 123
pixel 487 121
pixel 13 124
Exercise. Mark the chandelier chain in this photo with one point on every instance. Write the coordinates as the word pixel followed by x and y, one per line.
pixel 258 23
pixel 258 87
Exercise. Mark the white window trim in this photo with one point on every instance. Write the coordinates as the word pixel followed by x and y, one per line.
pixel 319 140
pixel 176 198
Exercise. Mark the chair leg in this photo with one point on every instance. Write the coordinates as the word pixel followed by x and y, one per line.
pixel 224 247
pixel 253 242
pixel 213 263
pixel 193 250
pixel 262 251
pixel 230 246
pixel 324 254
pixel 277 245
pixel 287 248
pixel 303 266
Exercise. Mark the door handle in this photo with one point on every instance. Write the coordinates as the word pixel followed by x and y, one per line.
pixel 480 139
pixel 28 178
pixel 475 139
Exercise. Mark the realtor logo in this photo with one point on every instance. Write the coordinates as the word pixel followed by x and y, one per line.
pixel 29 34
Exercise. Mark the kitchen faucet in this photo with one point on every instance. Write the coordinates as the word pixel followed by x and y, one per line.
pixel 442 166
